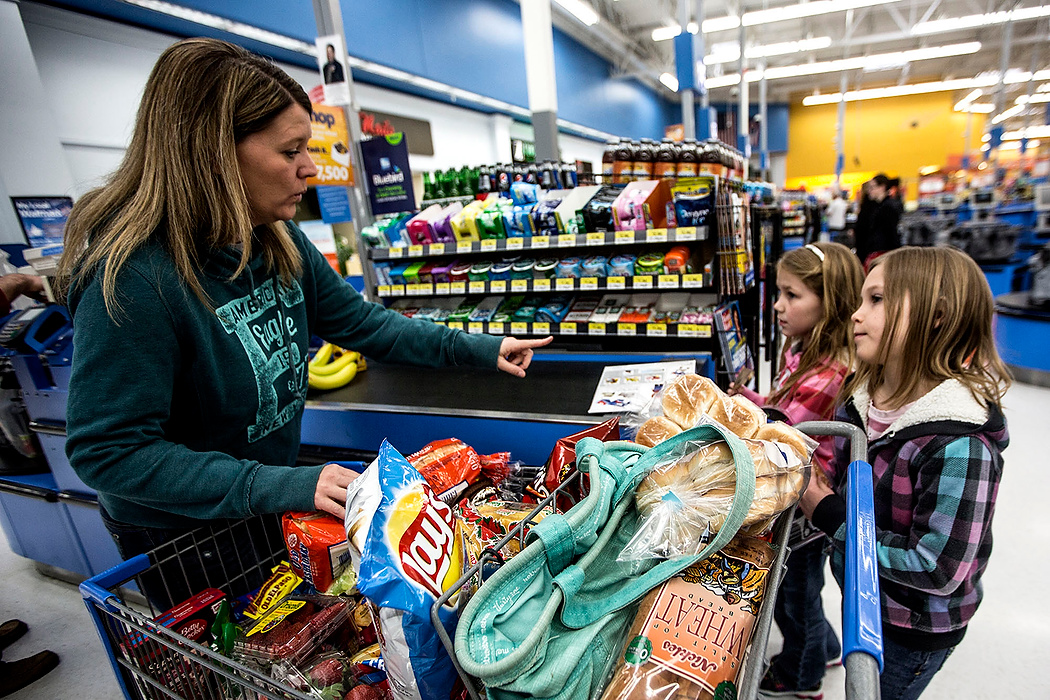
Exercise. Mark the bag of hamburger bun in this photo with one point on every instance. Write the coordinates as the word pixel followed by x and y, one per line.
pixel 407 549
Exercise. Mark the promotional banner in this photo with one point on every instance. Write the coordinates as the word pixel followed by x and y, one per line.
pixel 331 61
pixel 329 147
pixel 43 219
pixel 389 177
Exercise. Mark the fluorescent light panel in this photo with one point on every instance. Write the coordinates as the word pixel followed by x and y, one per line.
pixel 788 12
pixel 580 10
pixel 730 51
pixel 1007 113
pixel 950 24
pixel 670 81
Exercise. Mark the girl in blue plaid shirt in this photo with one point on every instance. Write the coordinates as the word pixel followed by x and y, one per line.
pixel 928 392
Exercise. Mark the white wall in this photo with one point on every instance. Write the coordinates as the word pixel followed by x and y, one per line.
pixel 94 71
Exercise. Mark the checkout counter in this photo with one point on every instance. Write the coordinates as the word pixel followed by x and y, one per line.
pixel 53 519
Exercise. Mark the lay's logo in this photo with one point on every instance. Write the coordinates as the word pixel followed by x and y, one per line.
pixel 422 530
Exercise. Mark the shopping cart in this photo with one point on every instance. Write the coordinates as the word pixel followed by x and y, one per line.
pixel 862 621
pixel 152 662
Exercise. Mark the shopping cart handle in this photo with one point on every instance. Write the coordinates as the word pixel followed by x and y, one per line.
pixel 862 610
pixel 97 587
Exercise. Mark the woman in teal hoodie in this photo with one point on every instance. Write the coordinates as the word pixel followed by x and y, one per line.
pixel 194 300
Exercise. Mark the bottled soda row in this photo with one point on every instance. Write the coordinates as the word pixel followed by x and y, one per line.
pixel 625 160
pixel 469 182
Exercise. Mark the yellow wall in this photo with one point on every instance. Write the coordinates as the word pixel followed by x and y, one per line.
pixel 896 135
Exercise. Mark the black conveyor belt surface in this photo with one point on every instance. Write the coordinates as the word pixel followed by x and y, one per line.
pixel 551 388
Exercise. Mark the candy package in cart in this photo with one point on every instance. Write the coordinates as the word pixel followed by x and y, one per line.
pixel 406 547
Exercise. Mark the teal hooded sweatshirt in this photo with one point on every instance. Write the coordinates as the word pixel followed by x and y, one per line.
pixel 178 413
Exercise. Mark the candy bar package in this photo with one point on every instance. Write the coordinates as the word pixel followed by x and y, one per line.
pixel 317 547
pixel 562 464
pixel 411 553
pixel 690 636
pixel 485 524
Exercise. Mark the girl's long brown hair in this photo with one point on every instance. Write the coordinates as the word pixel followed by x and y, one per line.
pixel 837 280
pixel 939 301
pixel 180 179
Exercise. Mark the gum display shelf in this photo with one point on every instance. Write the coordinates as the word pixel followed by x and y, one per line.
pixel 587 328
pixel 682 234
pixel 692 282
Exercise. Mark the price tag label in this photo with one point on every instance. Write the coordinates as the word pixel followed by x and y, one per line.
pixel 669 281
pixel 541 285
pixel 519 285
pixel 704 331
pixel 588 283
pixel 567 328
pixel 687 330
pixel 615 282
pixel 437 248
pixel 624 237
pixel 477 287
pixel 519 328
pixel 496 328
pixel 412 288
pixel 564 284
pixel 642 282
pixel 626 329
pixel 692 281
pixel 595 329
pixel 566 240
pixel 541 328
pixel 685 233
pixel 541 241
pixel 488 244
pixel 515 243
pixel 656 235
pixel 475 327
pixel 397 290
pixel 427 289
pixel 656 330
pixel 456 325
pixel 415 251
pixel 458 287
pixel 384 290
pixel 440 323
pixel 441 288
pixel 498 287
pixel 464 247
pixel 397 251
pixel 596 238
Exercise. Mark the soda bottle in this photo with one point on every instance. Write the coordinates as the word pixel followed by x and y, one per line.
pixel 548 178
pixel 623 164
pixel 644 155
pixel 504 176
pixel 484 179
pixel 570 177
pixel 608 158
pixel 531 174
pixel 428 186
pixel 688 159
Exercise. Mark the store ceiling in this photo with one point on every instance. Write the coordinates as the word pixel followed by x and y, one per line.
pixel 863 36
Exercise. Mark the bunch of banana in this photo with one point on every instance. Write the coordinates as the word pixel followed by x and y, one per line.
pixel 333 367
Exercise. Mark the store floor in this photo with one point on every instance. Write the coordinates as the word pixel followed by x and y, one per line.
pixel 1008 640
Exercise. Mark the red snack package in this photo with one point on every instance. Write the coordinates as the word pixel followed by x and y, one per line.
pixel 562 464
pixel 446 464
pixel 292 629
pixel 496 466
pixel 317 547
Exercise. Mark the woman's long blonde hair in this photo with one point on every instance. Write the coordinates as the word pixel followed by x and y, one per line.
pixel 180 179
pixel 947 333
pixel 836 277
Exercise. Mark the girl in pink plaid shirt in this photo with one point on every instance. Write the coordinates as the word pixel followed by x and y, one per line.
pixel 819 287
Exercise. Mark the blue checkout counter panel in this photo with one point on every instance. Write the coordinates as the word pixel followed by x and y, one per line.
pixel 54 519
pixel 1022 336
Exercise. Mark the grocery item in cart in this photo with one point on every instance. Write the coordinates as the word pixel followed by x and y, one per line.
pixel 282 582
pixel 690 636
pixel 325 676
pixel 446 464
pixel 291 630
pixel 562 464
pixel 317 547
pixel 687 495
pixel 411 554
pixel 485 524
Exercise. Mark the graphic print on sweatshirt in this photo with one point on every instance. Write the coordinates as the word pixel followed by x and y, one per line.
pixel 265 329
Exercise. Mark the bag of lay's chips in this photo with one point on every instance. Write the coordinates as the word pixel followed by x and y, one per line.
pixel 410 553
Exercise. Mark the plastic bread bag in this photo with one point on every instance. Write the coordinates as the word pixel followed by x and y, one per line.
pixel 411 553
pixel 679 406
pixel 687 498
pixel 691 636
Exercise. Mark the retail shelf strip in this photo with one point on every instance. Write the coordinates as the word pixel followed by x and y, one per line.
pixel 682 234
pixel 693 282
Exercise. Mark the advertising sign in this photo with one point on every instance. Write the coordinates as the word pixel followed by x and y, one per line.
pixel 389 176
pixel 330 147
pixel 43 219
pixel 331 61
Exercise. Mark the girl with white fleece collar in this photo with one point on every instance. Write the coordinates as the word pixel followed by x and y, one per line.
pixel 928 392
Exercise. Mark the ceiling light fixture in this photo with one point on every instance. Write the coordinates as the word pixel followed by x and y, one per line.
pixel 977 108
pixel 1007 113
pixel 673 30
pixel 729 51
pixel 580 10
pixel 788 12
pixel 893 91
pixel 669 81
pixel 950 24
